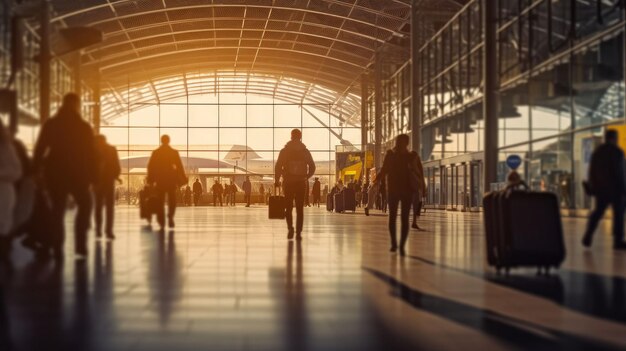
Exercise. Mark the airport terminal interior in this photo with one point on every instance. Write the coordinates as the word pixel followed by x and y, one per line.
pixel 481 87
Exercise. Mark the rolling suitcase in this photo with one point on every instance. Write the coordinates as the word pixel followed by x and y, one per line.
pixel 523 229
pixel 276 208
pixel 489 220
pixel 338 202
pixel 330 203
pixel 349 200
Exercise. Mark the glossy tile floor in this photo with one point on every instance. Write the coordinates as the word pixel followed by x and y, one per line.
pixel 227 279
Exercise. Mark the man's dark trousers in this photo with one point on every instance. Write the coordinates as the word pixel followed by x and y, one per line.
pixel 105 195
pixel 602 202
pixel 295 191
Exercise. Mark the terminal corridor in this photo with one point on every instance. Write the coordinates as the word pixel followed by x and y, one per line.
pixel 227 279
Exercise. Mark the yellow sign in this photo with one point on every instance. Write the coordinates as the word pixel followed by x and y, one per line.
pixel 621 135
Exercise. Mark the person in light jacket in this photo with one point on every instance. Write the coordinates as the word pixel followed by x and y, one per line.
pixel 10 173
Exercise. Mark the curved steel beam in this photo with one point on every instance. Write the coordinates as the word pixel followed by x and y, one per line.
pixel 111 4
pixel 191 41
pixel 273 70
pixel 190 31
pixel 274 7
pixel 125 62
pixel 226 62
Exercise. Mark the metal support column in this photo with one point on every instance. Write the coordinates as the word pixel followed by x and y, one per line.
pixel 378 111
pixel 97 108
pixel 491 93
pixel 364 122
pixel 78 84
pixel 44 61
pixel 364 111
pixel 416 105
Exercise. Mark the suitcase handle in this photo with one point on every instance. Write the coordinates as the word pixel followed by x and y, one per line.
pixel 279 188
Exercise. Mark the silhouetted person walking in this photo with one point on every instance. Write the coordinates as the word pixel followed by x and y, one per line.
pixel 317 192
pixel 66 154
pixel 166 171
pixel 10 173
pixel 232 191
pixel 104 189
pixel 197 192
pixel 607 183
pixel 218 190
pixel 400 171
pixel 247 190
pixel 262 192
pixel 295 165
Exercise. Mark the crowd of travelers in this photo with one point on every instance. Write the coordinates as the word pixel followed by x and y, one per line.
pixel 69 160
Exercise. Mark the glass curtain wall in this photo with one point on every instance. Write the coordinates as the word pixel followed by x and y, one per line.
pixel 224 137
pixel 562 85
pixel 450 66
pixel 26 82
pixel 561 69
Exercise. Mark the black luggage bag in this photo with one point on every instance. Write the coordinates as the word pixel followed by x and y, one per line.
pixel 276 208
pixel 523 229
pixel 489 220
pixel 349 200
pixel 148 203
pixel 338 202
pixel 330 202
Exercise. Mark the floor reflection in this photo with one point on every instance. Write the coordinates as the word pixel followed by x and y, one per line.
pixel 514 332
pixel 165 279
pixel 229 280
pixel 597 295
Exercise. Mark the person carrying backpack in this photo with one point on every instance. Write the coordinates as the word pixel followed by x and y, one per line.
pixel 295 165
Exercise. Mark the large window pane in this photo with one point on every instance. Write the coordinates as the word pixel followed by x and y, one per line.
pixel 598 83
pixel 203 115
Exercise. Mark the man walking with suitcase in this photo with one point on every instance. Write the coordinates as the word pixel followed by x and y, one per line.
pixel 295 165
pixel 166 171
pixel 607 183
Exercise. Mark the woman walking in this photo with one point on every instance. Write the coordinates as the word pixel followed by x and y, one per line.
pixel 400 170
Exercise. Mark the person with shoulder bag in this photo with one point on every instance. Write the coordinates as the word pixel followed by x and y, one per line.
pixel 295 165
pixel 399 171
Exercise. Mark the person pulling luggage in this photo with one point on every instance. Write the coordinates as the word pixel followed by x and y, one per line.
pixel 607 184
pixel 295 165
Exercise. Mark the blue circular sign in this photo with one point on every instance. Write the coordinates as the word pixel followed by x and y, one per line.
pixel 513 161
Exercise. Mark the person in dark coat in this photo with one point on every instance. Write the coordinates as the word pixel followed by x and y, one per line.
pixel 317 192
pixel 607 183
pixel 188 195
pixel 104 190
pixel 396 170
pixel 247 190
pixel 166 171
pixel 66 155
pixel 218 190
pixel 262 192
pixel 232 191
pixel 197 192
pixel 295 165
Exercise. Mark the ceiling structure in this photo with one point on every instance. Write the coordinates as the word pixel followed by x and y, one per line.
pixel 298 51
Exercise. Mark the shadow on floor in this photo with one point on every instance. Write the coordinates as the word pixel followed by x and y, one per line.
pixel 592 294
pixel 511 331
